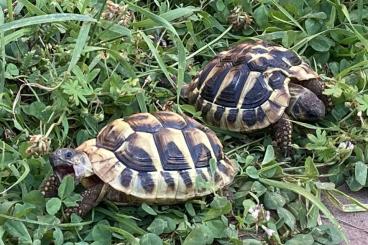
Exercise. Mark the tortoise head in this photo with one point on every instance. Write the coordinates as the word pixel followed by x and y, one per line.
pixel 67 161
pixel 304 104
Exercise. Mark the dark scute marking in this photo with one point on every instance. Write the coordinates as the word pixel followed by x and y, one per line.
pixel 143 122
pixel 277 80
pixel 231 117
pixel 249 117
pixel 206 70
pixel 230 95
pixel 212 86
pixel 146 181
pixel 126 177
pixel 218 114
pixel 259 64
pixel 274 106
pixel 215 144
pixel 169 180
pixel 289 55
pixel 257 95
pixel 171 156
pixel 186 178
pixel 109 138
pixel 223 168
pixel 206 109
pixel 260 114
pixel 135 157
pixel 170 120
pixel 200 173
pixel 201 155
pixel 259 50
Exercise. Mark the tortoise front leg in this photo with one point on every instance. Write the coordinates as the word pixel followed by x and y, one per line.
pixel 317 87
pixel 50 187
pixel 90 198
pixel 283 129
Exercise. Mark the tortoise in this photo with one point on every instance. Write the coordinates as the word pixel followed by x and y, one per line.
pixel 154 158
pixel 254 85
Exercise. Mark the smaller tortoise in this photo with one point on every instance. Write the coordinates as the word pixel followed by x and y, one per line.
pixel 153 158
pixel 254 85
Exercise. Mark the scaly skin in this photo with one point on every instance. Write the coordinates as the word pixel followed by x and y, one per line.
pixel 283 130
pixel 50 187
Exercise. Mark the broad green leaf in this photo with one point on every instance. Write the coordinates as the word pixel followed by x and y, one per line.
pixel 58 236
pixel 53 205
pixel 310 168
pixel 269 155
pixel 252 172
pixel 361 172
pixel 18 230
pixel 148 209
pixel 101 232
pixel 287 216
pixel 157 226
pixel 66 187
pixel 273 200
pixel 321 43
pixel 200 235
pixel 150 238
pixel 301 239
pixel 261 15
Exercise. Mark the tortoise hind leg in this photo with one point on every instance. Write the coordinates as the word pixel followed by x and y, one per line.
pixel 90 198
pixel 317 87
pixel 283 129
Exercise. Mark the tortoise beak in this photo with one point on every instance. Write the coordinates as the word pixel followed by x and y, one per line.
pixel 61 167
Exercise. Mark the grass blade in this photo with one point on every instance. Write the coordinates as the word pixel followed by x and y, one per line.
pixel 178 43
pixel 169 16
pixel 33 9
pixel 79 45
pixel 2 48
pixel 157 56
pixel 35 20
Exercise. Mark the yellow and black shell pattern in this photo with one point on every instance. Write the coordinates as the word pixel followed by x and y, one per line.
pixel 157 158
pixel 246 87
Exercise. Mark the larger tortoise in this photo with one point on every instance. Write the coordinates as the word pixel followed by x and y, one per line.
pixel 153 158
pixel 254 85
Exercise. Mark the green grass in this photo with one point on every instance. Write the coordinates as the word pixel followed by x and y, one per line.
pixel 66 71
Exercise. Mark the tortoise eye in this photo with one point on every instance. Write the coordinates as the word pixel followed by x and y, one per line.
pixel 68 154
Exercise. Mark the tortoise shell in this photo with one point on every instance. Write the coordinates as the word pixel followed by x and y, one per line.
pixel 158 157
pixel 246 88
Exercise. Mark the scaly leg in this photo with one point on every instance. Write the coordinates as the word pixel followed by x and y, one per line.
pixel 50 187
pixel 90 198
pixel 283 129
